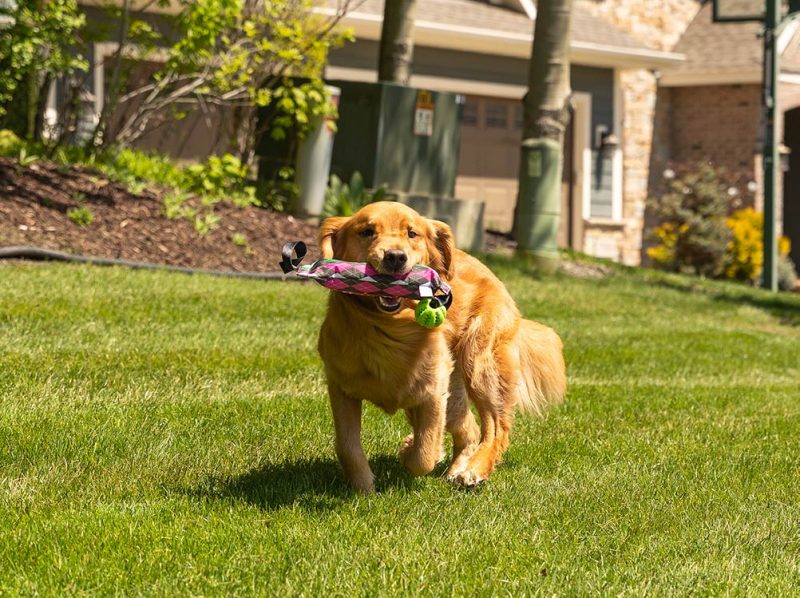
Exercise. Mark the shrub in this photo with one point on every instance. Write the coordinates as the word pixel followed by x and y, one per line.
pixel 787 274
pixel 131 166
pixel 38 48
pixel 175 205
pixel 746 250
pixel 692 235
pixel 280 193
pixel 239 239
pixel 82 216
pixel 206 223
pixel 221 176
pixel 10 144
pixel 342 199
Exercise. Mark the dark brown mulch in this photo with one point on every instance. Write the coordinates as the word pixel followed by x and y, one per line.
pixel 33 211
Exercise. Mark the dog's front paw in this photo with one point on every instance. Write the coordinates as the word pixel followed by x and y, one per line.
pixel 467 478
pixel 406 445
pixel 417 461
pixel 467 470
pixel 363 484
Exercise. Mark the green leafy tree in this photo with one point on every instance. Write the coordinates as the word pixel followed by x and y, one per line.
pixel 39 47
pixel 236 54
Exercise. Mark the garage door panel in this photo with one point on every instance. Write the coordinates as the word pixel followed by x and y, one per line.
pixel 489 159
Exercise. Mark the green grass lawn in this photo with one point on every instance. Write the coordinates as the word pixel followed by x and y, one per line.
pixel 165 434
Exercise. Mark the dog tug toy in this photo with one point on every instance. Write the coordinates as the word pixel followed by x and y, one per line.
pixel 358 278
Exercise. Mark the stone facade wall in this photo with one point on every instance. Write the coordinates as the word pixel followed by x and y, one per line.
pixel 657 24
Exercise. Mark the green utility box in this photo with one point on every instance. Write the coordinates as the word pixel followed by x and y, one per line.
pixel 539 205
pixel 405 138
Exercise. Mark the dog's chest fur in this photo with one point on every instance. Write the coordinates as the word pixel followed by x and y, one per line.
pixel 395 364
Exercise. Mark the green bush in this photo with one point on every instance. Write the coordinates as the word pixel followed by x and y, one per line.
pixel 342 199
pixel 692 236
pixel 787 274
pixel 43 44
pixel 10 144
pixel 82 216
pixel 239 239
pixel 280 193
pixel 205 223
pixel 129 166
pixel 221 176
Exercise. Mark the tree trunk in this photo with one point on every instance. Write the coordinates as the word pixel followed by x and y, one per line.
pixel 546 116
pixel 100 135
pixel 397 41
pixel 41 109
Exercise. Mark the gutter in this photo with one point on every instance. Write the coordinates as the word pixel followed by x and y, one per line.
pixel 711 77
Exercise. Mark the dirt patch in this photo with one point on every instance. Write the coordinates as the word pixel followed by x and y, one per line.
pixel 585 269
pixel 35 200
pixel 497 242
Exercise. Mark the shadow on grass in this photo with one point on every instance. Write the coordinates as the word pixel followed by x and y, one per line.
pixel 315 484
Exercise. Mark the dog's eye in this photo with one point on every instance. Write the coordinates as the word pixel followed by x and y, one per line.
pixel 367 232
pixel 411 234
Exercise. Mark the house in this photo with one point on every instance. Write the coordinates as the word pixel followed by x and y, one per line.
pixel 655 83
pixel 481 50
pixel 709 110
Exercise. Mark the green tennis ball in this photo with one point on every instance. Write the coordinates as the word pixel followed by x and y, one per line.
pixel 429 316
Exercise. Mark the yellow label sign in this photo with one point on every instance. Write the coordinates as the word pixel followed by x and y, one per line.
pixel 425 100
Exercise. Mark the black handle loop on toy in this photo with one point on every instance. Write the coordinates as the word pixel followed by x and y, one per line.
pixel 289 263
pixel 445 300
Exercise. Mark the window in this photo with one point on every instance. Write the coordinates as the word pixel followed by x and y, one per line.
pixel 518 117
pixel 496 115
pixel 469 114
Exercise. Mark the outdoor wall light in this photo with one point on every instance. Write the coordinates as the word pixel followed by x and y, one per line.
pixel 784 151
pixel 605 141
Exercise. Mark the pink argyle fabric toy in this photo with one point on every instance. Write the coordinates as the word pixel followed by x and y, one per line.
pixel 360 278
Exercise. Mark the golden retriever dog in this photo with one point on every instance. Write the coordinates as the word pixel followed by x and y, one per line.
pixel 374 350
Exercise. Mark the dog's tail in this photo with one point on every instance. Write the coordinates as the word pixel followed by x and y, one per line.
pixel 544 380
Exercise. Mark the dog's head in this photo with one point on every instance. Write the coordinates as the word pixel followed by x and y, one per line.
pixel 392 238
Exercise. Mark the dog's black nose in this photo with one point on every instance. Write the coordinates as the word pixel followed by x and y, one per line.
pixel 395 259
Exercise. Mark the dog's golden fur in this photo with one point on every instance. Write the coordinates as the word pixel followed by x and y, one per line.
pixel 484 352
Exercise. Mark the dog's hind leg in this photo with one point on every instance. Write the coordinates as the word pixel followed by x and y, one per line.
pixel 347 423
pixel 461 425
pixel 492 386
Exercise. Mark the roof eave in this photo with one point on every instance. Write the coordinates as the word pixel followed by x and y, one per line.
pixel 590 53
pixel 506 43
pixel 744 76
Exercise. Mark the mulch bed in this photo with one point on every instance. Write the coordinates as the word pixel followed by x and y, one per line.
pixel 34 201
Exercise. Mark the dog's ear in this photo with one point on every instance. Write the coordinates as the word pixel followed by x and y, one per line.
pixel 327 234
pixel 441 248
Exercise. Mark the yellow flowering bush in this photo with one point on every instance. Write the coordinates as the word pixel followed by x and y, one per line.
pixel 664 252
pixel 697 235
pixel 746 249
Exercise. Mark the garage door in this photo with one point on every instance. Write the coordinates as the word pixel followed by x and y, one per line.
pixel 491 131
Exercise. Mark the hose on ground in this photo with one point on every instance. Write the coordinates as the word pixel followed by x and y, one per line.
pixel 41 254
